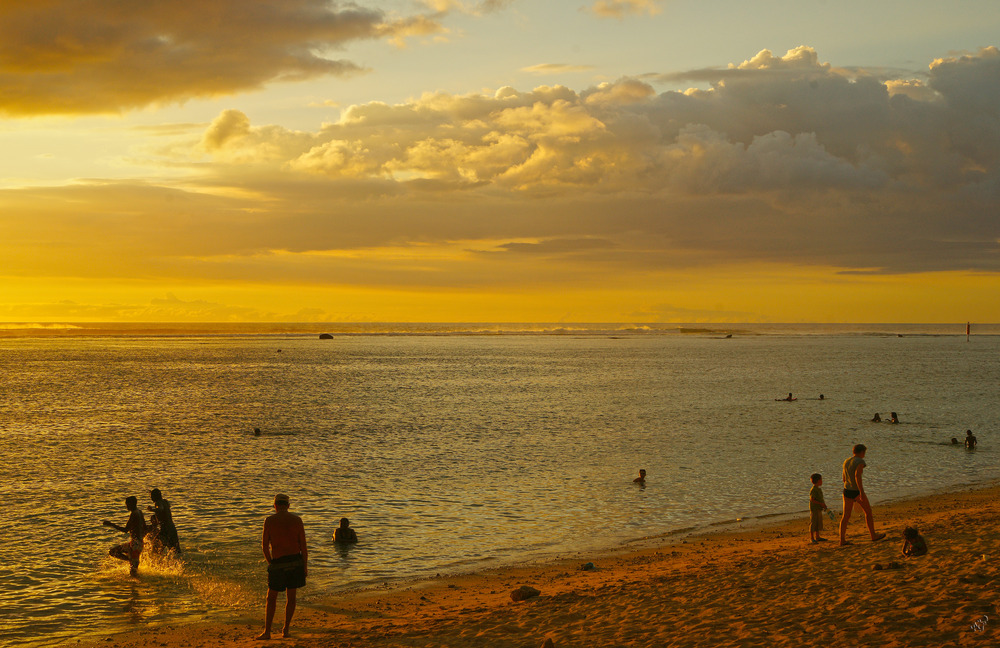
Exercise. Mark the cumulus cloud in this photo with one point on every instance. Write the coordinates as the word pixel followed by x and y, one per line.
pixel 68 57
pixel 621 8
pixel 785 139
pixel 784 159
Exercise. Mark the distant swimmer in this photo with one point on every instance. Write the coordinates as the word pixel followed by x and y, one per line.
pixel 344 534
pixel 970 440
pixel 821 397
pixel 256 431
pixel 136 528
pixel 893 418
pixel 954 441
pixel 641 479
pixel 876 418
pixel 788 398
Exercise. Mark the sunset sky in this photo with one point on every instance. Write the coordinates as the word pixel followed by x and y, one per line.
pixel 500 160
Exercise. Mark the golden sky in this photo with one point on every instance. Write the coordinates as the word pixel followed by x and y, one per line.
pixel 499 160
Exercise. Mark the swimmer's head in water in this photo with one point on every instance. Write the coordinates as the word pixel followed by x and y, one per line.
pixel 131 502
pixel 860 449
pixel 281 500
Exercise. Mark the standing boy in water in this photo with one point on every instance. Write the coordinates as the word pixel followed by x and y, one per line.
pixel 816 507
pixel 136 528
pixel 284 546
pixel 854 492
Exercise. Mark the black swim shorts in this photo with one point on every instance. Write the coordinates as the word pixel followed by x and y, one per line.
pixel 287 572
pixel 852 494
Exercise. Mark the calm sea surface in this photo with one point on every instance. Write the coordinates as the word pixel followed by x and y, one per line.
pixel 447 451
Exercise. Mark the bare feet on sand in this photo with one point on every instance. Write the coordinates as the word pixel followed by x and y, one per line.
pixel 264 635
pixel 876 538
pixel 286 633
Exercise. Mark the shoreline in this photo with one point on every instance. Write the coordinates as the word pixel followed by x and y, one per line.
pixel 760 585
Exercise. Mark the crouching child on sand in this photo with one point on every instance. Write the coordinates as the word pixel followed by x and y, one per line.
pixel 913 543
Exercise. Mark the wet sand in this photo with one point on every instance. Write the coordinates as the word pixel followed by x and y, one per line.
pixel 761 586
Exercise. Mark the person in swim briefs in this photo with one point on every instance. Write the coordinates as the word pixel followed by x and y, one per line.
pixel 284 545
pixel 970 440
pixel 854 493
pixel 344 533
pixel 641 479
pixel 136 528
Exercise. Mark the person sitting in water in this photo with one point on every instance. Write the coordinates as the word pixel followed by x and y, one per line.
pixel 913 543
pixel 344 534
pixel 970 440
pixel 954 441
pixel 788 398
pixel 876 418
pixel 893 418
pixel 641 479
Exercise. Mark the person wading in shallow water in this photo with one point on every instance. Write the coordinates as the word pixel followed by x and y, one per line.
pixel 136 528
pixel 284 545
pixel 854 492
pixel 166 533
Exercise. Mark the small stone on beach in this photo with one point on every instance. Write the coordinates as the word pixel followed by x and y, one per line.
pixel 524 592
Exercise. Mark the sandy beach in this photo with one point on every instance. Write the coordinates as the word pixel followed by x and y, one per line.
pixel 761 586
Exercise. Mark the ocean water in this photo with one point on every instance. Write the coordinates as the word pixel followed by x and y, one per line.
pixel 449 448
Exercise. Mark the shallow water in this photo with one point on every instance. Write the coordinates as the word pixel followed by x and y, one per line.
pixel 447 452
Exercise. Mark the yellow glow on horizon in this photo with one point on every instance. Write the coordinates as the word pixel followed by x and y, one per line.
pixel 764 293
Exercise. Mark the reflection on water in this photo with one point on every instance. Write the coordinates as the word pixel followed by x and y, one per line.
pixel 446 453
